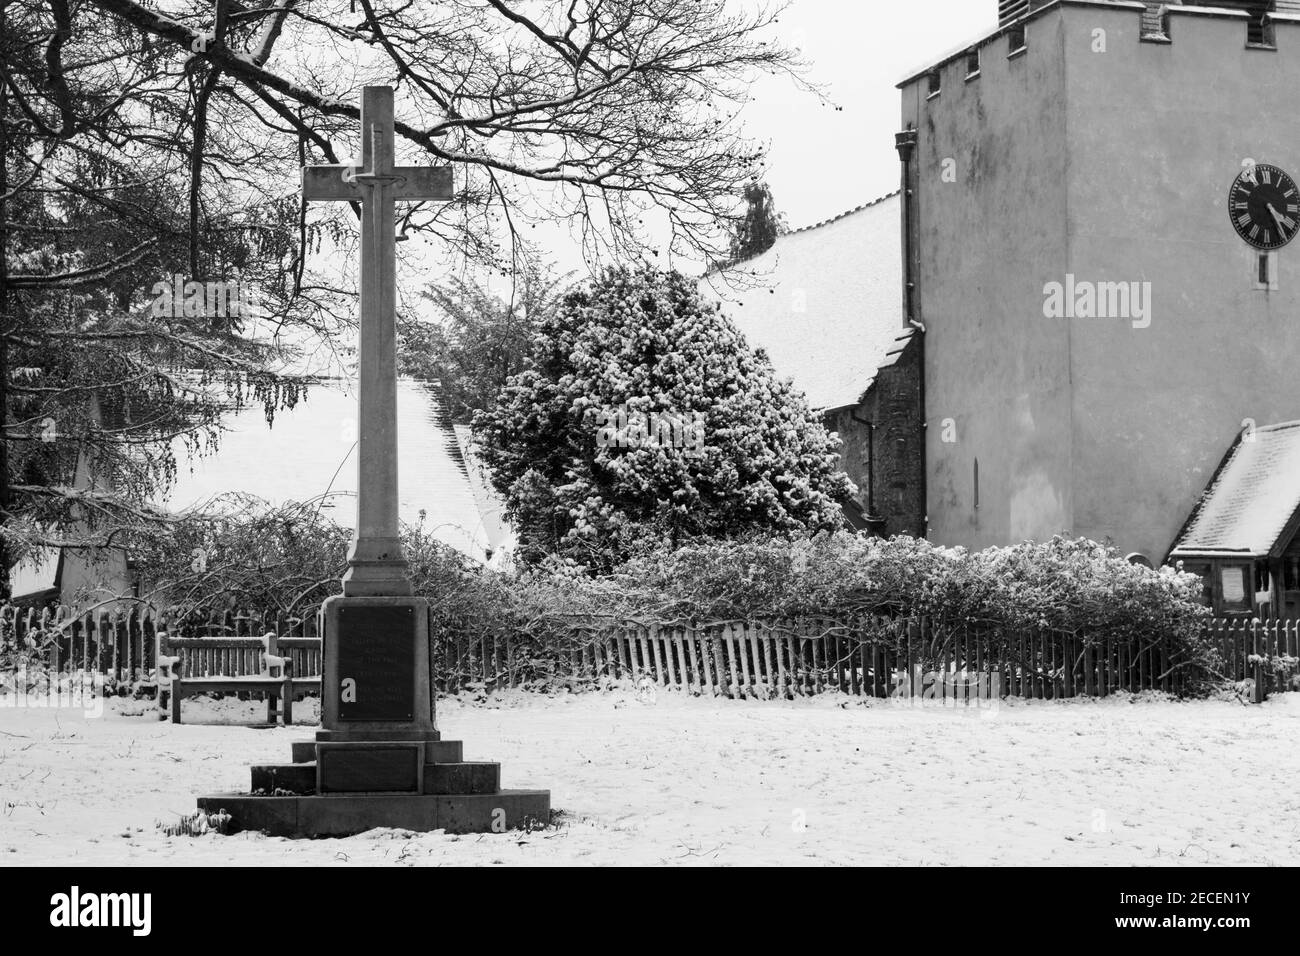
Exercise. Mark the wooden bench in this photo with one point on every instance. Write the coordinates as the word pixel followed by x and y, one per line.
pixel 274 679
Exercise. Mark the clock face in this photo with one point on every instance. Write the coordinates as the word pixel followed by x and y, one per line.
pixel 1264 204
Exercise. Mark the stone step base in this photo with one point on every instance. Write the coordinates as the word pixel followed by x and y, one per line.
pixel 297 778
pixel 435 751
pixel 347 814
pixel 361 734
pixel 462 778
pixel 457 778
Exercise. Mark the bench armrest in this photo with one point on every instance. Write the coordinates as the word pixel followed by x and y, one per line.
pixel 166 669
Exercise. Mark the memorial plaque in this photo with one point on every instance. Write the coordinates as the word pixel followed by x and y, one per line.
pixel 378 769
pixel 376 663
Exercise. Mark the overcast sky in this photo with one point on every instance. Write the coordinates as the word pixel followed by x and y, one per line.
pixel 827 159
pixel 824 162
pixel 823 159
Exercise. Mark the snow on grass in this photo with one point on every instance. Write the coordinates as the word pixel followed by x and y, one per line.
pixel 831 780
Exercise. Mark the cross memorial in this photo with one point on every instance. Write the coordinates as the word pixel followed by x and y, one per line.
pixel 378 759
pixel 376 663
pixel 376 564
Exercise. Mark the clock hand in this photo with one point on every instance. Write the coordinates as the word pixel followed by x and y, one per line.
pixel 1277 217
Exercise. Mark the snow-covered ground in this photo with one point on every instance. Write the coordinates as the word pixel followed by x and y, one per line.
pixel 677 780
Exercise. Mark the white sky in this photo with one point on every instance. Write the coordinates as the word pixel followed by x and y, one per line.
pixel 826 159
pixel 824 162
pixel 822 159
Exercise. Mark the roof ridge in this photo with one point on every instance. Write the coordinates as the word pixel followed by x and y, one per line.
pixel 845 213
pixel 718 268
pixel 1227 514
pixel 856 209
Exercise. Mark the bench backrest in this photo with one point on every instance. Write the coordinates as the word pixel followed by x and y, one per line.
pixel 229 657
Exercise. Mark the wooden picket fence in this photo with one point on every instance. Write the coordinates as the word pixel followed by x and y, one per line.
pixel 877 658
pixel 120 644
pixel 1267 653
pixel 789 658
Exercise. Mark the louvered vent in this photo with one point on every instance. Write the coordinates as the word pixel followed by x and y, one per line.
pixel 1155 21
pixel 1011 10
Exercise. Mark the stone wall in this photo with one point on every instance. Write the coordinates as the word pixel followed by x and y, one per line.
pixel 893 403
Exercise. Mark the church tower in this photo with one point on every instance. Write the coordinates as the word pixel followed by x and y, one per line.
pixel 1101 322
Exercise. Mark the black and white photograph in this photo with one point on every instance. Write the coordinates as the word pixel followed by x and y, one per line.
pixel 651 434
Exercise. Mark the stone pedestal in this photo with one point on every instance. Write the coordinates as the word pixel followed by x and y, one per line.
pixel 378 760
pixel 376 668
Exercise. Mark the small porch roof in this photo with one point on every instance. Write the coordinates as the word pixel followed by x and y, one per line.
pixel 1251 508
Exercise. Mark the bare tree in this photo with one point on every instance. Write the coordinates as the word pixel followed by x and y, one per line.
pixel 100 384
pixel 140 142
pixel 589 110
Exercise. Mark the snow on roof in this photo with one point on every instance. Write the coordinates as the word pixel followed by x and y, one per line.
pixel 825 302
pixel 490 506
pixel 1251 499
pixel 310 451
pixel 37 573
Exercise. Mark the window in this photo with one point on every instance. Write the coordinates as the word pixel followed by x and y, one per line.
pixel 1233 579
pixel 1259 31
pixel 1016 41
pixel 973 64
pixel 1263 581
pixel 936 83
pixel 1207 582
pixel 1266 272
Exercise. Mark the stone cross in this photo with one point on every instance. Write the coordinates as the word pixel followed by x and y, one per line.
pixel 376 562
pixel 378 759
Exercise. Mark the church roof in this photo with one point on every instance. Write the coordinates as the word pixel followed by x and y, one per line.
pixel 491 508
pixel 309 452
pixel 825 302
pixel 1252 500
pixel 37 575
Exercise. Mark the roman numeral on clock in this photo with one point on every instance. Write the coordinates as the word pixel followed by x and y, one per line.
pixel 1264 206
